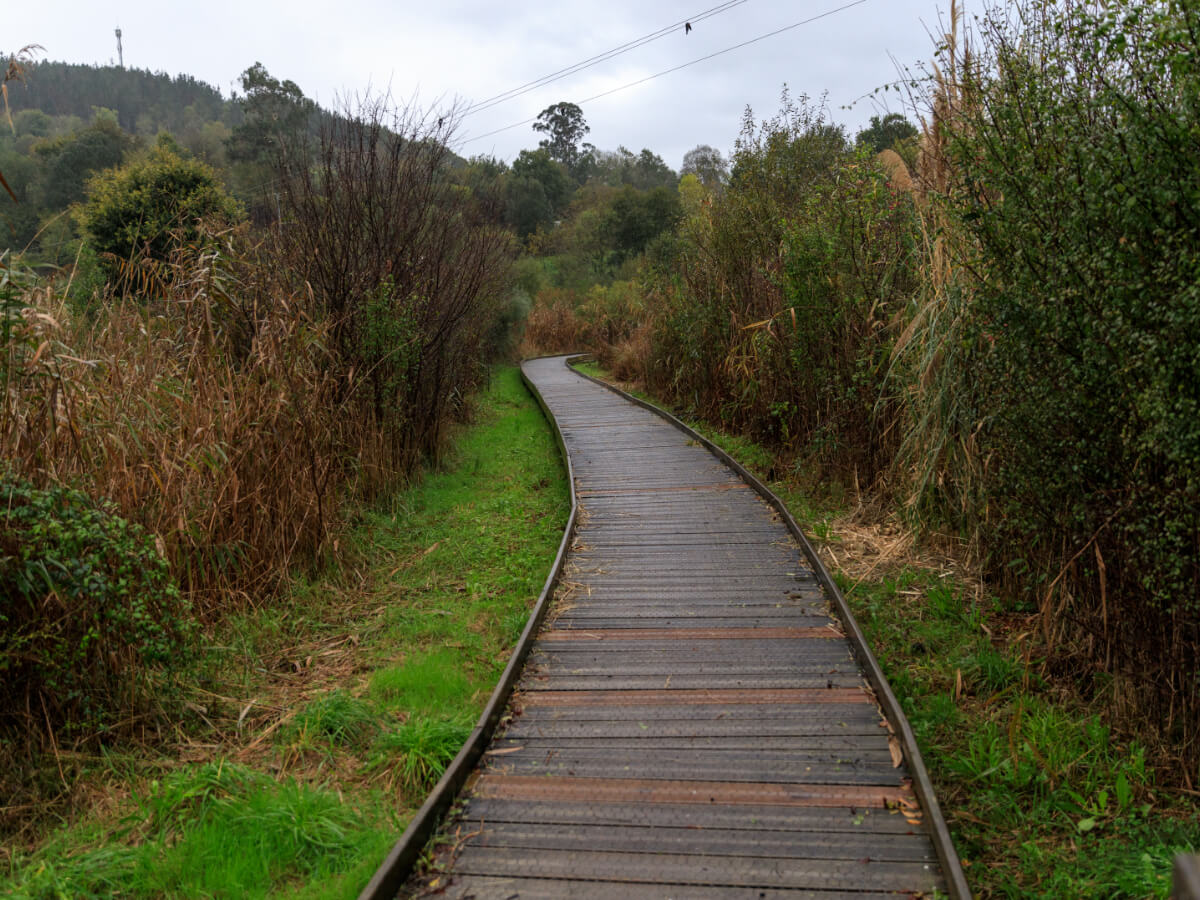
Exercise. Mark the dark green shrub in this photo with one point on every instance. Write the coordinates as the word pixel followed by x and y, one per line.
pixel 1078 182
pixel 153 205
pixel 637 217
pixel 91 625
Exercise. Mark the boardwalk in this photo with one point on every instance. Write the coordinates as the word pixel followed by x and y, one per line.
pixel 691 720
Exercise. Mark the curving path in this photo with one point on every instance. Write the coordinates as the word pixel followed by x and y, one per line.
pixel 692 720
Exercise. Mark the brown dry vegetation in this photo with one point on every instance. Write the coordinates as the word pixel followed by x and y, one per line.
pixel 228 402
pixel 210 425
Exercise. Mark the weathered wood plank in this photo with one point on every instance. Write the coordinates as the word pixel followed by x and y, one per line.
pixel 698 869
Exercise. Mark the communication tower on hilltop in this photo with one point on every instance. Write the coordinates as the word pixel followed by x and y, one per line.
pixel 120 52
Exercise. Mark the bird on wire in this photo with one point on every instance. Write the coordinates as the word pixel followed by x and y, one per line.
pixel 687 27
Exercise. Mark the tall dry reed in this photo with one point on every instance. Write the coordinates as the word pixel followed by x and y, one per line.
pixel 939 469
pixel 207 416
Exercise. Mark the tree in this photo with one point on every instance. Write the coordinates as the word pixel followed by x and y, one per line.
pixel 145 102
pixel 33 122
pixel 565 125
pixel 644 171
pixel 274 112
pixel 784 155
pixel 70 160
pixel 487 179
pixel 637 217
pixel 152 204
pixel 525 205
pixel 650 171
pixel 613 167
pixel 540 166
pixel 883 134
pixel 708 165
pixel 18 217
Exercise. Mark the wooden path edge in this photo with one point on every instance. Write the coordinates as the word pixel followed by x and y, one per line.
pixel 385 884
pixel 943 844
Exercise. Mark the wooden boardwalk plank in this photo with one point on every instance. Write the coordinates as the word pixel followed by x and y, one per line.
pixel 691 720
pixel 553 889
pixel 698 869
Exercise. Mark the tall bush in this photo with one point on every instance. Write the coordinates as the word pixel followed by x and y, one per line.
pixel 1076 180
pixel 406 265
pixel 773 307
pixel 153 205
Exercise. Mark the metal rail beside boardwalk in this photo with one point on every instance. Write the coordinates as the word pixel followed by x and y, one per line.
pixel 698 715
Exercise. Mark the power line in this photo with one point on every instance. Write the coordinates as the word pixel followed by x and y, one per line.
pixel 685 65
pixel 599 58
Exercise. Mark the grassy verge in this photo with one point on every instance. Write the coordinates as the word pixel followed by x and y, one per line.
pixel 322 722
pixel 1041 797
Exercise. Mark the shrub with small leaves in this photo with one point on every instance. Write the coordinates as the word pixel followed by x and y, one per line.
pixel 153 205
pixel 1076 180
pixel 92 627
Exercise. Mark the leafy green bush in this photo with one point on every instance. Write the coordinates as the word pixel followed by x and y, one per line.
pixel 637 217
pixel 91 624
pixel 1078 183
pixel 154 204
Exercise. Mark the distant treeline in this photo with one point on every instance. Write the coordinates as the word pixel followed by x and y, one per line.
pixel 145 102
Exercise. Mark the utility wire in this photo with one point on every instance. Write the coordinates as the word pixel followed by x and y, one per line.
pixel 693 62
pixel 711 12
pixel 599 58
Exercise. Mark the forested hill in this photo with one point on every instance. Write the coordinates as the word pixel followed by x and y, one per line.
pixel 71 121
pixel 145 102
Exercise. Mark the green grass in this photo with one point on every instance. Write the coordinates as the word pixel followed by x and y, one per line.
pixel 428 683
pixel 589 367
pixel 336 719
pixel 213 830
pixel 1041 798
pixel 415 754
pixel 437 585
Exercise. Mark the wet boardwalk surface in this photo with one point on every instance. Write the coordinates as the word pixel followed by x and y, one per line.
pixel 691 721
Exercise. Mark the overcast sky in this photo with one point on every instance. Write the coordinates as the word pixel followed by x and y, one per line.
pixel 469 50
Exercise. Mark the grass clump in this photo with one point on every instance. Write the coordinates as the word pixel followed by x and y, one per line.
pixel 216 830
pixel 414 755
pixel 336 719
pixel 428 683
